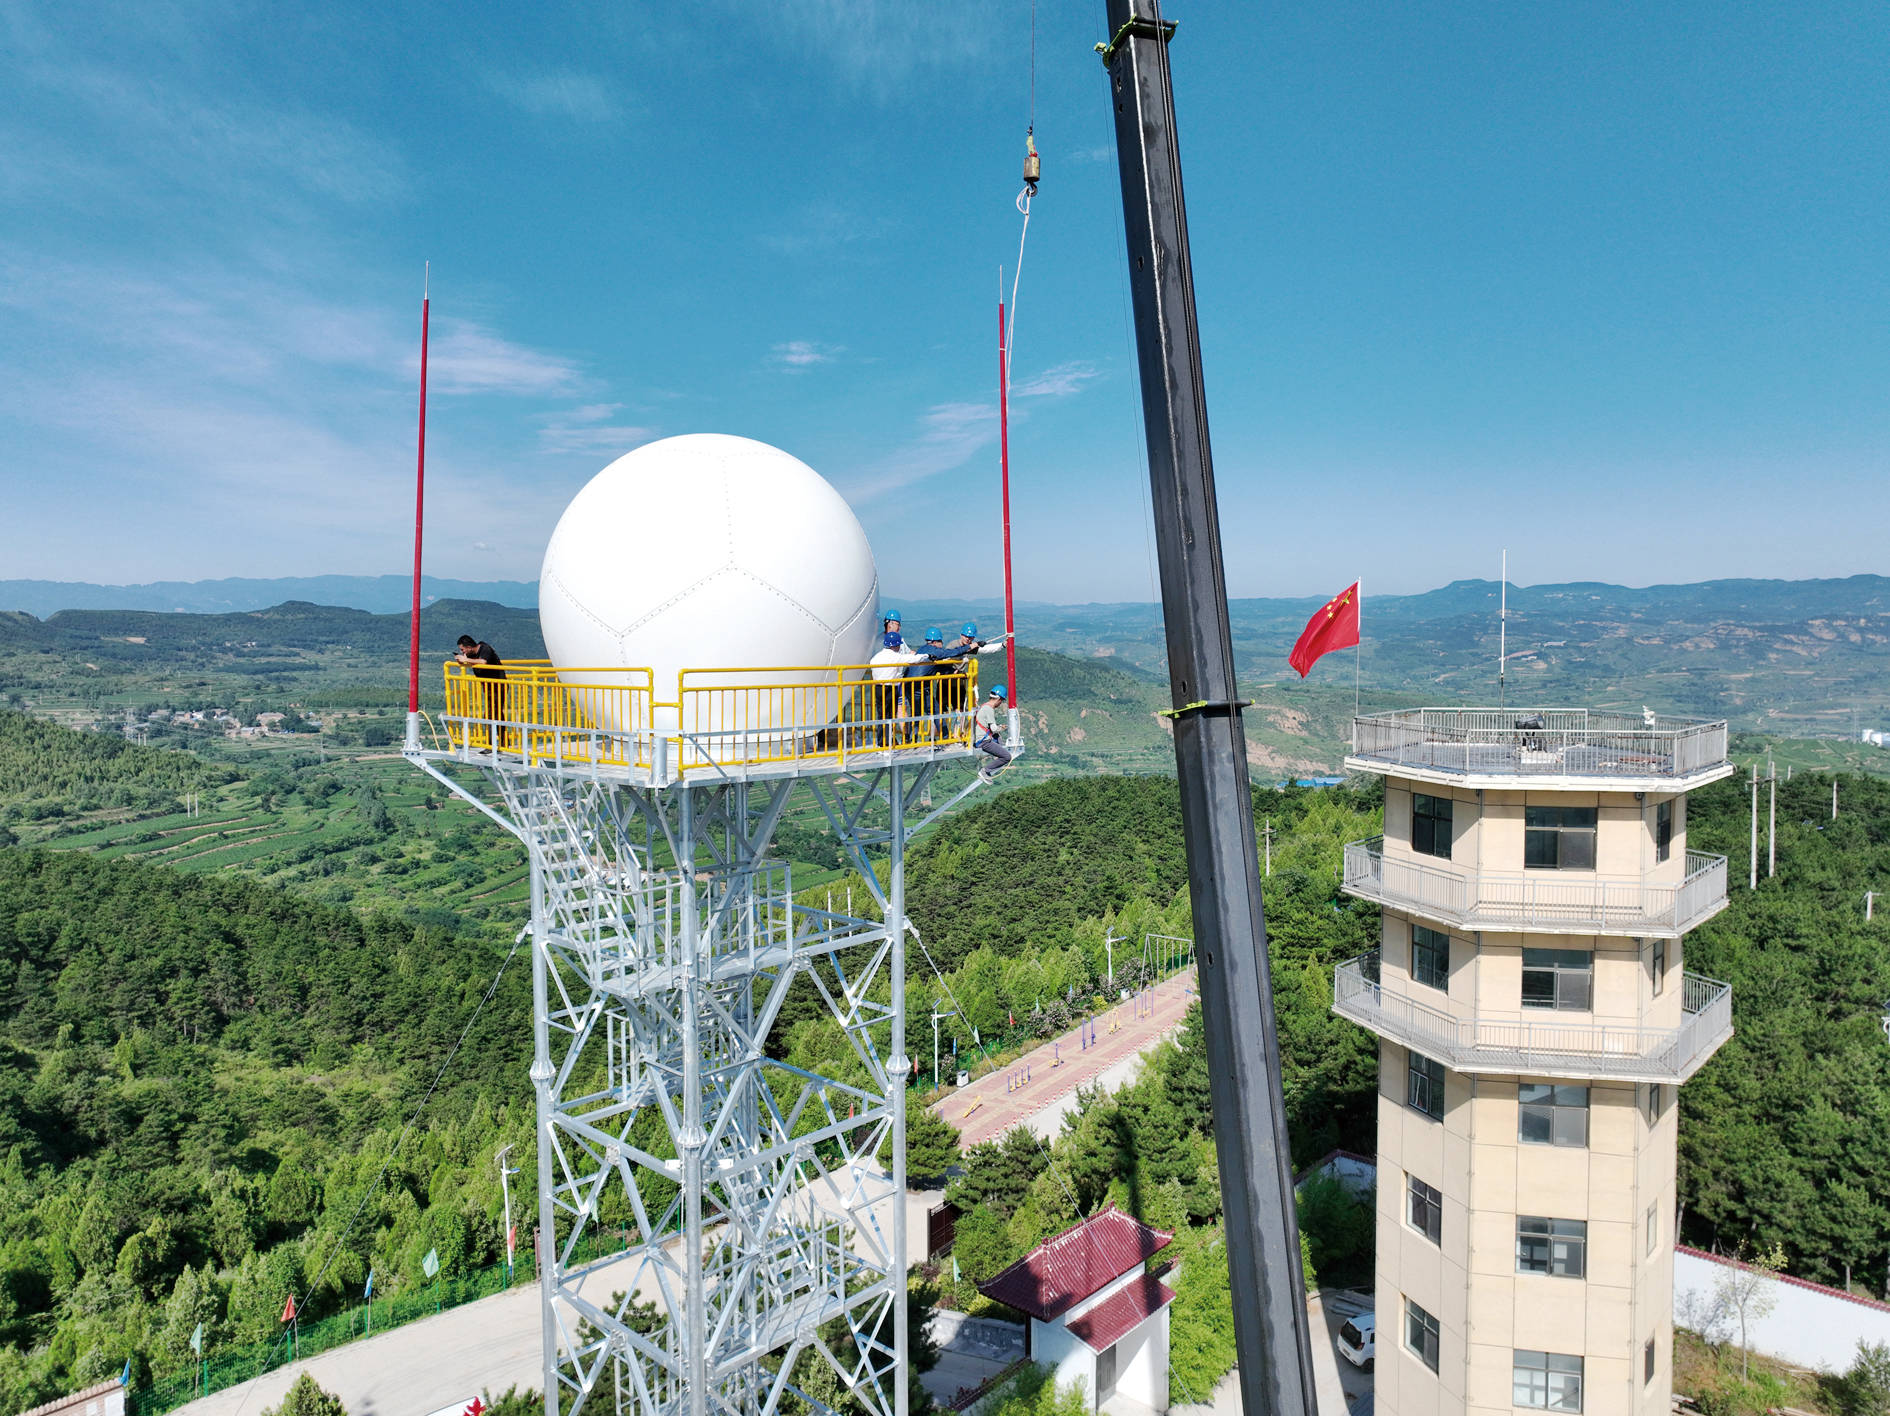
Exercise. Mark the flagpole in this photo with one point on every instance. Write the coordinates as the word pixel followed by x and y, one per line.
pixel 1358 649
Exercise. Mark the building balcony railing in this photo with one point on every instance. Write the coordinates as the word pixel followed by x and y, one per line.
pixel 1536 901
pixel 1550 742
pixel 1549 1046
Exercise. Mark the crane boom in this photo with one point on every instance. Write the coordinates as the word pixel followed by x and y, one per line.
pixel 1271 1325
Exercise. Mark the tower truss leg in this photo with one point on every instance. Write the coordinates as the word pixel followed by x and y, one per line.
pixel 720 1224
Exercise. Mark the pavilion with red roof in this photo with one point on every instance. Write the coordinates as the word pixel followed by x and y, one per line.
pixel 1095 1315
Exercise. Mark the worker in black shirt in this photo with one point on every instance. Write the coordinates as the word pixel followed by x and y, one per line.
pixel 486 664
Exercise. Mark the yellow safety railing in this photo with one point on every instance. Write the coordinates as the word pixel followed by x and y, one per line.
pixel 717 718
pixel 601 716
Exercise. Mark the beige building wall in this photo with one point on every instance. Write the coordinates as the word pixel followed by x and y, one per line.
pixel 1618 1184
pixel 1486 1309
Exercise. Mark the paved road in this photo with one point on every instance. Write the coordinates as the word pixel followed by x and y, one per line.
pixel 993 1110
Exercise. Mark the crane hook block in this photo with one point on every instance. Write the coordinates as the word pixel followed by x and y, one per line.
pixel 1033 165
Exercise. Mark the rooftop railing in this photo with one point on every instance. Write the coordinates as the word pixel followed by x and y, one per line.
pixel 711 721
pixel 1549 1046
pixel 1547 901
pixel 1550 742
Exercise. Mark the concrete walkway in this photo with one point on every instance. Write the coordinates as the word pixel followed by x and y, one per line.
pixel 986 1109
pixel 487 1345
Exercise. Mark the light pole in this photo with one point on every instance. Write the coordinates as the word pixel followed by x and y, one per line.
pixel 505 1186
pixel 1109 943
pixel 937 1085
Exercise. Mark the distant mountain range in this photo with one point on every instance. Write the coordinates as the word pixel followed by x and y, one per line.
pixel 380 594
pixel 1731 600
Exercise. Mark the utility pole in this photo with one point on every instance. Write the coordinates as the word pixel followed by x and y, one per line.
pixel 1271 1329
pixel 1834 796
pixel 1269 838
pixel 1771 827
pixel 505 1186
pixel 1752 852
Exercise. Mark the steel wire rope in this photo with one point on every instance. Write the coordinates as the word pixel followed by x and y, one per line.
pixel 401 1140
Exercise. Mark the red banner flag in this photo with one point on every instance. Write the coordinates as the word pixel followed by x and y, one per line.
pixel 1334 625
pixel 288 1310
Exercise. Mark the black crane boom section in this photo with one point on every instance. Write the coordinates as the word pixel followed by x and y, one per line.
pixel 1270 1319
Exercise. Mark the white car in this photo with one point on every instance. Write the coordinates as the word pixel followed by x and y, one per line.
pixel 1356 1340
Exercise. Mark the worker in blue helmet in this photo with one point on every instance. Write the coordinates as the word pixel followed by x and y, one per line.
pixel 986 735
pixel 947 679
pixel 888 707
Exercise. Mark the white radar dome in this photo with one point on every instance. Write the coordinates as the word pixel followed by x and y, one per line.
pixel 707 552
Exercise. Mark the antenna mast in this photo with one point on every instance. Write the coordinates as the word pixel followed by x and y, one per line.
pixel 419 510
pixel 1502 634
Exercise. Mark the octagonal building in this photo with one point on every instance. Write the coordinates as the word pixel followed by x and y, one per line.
pixel 1534 1017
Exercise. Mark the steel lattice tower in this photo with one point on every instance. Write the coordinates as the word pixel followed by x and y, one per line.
pixel 759 1206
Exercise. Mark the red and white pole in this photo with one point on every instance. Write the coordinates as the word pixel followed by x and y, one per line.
pixel 419 515
pixel 1004 463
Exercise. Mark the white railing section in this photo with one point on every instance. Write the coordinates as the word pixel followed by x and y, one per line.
pixel 1470 1042
pixel 1561 902
pixel 1541 742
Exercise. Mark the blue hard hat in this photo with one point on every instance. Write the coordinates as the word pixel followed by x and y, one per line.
pixel 885 615
pixel 970 631
pixel 997 691
pixel 934 633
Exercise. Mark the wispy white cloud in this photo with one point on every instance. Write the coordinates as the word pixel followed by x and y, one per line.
pixel 469 358
pixel 877 45
pixel 822 226
pixel 799 355
pixel 558 93
pixel 950 434
pixel 590 429
pixel 1099 153
pixel 1057 381
pixel 164 133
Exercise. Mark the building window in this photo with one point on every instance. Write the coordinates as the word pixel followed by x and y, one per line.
pixel 1653 1102
pixel 1553 1246
pixel 1660 967
pixel 1559 837
pixel 1648 1361
pixel 1425 1085
pixel 1430 825
pixel 1663 830
pixel 1548 1381
pixel 1552 1114
pixel 1426 1209
pixel 1653 1226
pixel 1420 1335
pixel 1430 957
pixel 1558 978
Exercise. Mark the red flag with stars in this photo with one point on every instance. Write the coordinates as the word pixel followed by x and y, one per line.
pixel 1334 625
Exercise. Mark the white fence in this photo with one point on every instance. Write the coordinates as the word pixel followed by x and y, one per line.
pixel 1809 1325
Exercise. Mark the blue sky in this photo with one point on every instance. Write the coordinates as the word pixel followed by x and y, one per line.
pixel 1604 284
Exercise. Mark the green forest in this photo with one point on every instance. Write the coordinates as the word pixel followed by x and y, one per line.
pixel 208 1070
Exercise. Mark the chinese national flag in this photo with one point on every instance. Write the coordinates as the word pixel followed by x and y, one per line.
pixel 288 1310
pixel 1334 625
